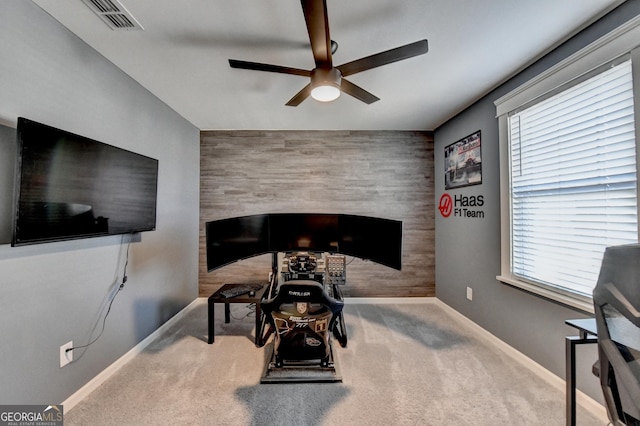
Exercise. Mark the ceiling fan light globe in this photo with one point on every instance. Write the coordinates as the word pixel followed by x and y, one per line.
pixel 325 84
pixel 325 93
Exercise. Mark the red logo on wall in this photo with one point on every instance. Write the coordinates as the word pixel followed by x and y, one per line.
pixel 446 205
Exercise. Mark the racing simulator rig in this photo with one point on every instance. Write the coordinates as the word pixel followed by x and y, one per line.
pixel 303 303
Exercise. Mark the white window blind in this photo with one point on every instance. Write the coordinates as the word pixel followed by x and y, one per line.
pixel 573 181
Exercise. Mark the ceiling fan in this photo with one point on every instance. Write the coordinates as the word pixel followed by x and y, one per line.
pixel 328 81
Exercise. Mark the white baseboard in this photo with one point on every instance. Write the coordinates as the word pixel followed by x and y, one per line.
pixel 105 374
pixel 388 300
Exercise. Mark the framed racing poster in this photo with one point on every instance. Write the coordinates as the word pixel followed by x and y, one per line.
pixel 463 162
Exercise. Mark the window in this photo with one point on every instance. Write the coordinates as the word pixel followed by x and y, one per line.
pixel 573 181
pixel 569 172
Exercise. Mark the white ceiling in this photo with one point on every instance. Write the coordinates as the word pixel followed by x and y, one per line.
pixel 181 56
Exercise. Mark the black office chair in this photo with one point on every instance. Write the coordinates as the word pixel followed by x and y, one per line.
pixel 303 317
pixel 616 299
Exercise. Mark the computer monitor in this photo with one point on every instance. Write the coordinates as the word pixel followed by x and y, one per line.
pixel 371 238
pixel 233 239
pixel 303 231
pixel 376 239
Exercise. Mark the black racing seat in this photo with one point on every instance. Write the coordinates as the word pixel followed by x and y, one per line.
pixel 302 316
pixel 616 299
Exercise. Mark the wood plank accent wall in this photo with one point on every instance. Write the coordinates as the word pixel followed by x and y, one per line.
pixel 385 174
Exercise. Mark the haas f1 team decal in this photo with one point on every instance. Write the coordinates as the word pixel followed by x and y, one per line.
pixel 461 205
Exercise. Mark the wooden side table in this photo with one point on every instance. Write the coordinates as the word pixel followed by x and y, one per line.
pixel 243 298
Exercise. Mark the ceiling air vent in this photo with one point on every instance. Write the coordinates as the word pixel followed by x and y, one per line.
pixel 114 14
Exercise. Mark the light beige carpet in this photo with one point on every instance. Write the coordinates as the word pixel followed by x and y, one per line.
pixel 405 364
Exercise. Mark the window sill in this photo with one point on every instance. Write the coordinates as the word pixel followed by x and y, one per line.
pixel 575 301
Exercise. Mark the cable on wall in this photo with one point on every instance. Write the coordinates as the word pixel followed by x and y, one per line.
pixel 120 288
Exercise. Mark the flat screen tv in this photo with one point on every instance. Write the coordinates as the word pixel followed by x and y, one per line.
pixel 69 186
pixel 236 238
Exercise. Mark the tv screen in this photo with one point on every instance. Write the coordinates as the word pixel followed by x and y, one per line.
pixel 69 186
pixel 303 231
pixel 229 240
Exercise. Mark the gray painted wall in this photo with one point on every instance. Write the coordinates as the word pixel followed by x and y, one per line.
pixel 468 249
pixel 57 292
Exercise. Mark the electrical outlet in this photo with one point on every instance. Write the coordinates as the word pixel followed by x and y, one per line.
pixel 66 357
pixel 469 293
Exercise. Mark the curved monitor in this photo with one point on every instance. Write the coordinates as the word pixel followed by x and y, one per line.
pixel 371 238
pixel 376 239
pixel 304 231
pixel 233 239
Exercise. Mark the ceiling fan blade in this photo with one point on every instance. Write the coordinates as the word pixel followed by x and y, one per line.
pixel 357 92
pixel 300 96
pixel 383 58
pixel 256 66
pixel 315 15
